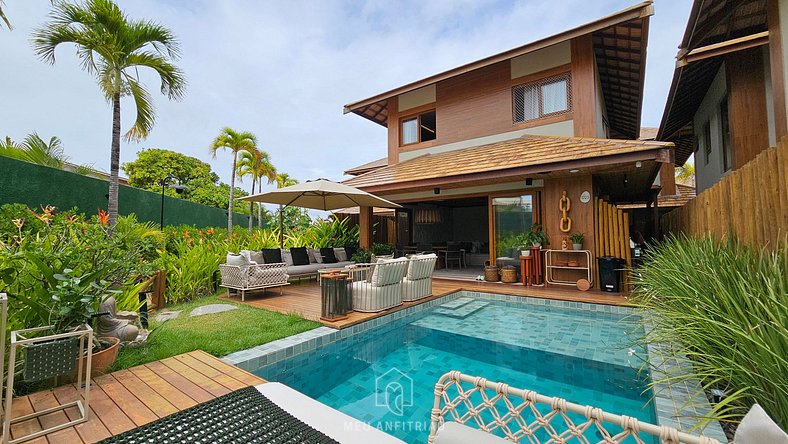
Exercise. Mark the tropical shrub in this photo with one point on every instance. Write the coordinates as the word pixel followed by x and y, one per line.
pixel 721 308
pixel 34 263
pixel 382 249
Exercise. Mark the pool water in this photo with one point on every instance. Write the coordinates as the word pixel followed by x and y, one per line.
pixel 385 376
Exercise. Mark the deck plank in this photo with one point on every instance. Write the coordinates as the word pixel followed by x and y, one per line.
pixel 304 298
pixel 22 407
pixel 161 386
pixel 129 398
pixel 187 387
pixel 223 379
pixel 45 400
pixel 208 384
pixel 235 372
pixel 159 405
pixel 93 429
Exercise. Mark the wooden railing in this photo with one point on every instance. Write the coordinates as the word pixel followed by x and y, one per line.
pixel 750 203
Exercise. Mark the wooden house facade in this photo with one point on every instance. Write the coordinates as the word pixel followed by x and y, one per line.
pixel 484 151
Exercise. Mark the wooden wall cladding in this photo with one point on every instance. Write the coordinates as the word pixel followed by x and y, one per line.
pixel 747 102
pixel 479 103
pixel 582 214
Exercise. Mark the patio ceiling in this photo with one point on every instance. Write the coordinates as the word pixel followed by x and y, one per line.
pixel 620 43
pixel 613 161
pixel 713 28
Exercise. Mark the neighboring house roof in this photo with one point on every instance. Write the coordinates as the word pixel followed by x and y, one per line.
pixel 74 168
pixel 714 28
pixel 369 166
pixel 648 133
pixel 684 194
pixel 526 155
pixel 620 41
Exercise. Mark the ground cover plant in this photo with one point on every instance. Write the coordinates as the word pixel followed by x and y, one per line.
pixel 723 309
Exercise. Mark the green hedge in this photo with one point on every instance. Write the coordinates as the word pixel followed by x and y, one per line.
pixel 36 185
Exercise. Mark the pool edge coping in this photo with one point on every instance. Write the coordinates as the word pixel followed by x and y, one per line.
pixel 668 399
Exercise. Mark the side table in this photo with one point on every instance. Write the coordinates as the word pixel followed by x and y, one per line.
pixel 335 295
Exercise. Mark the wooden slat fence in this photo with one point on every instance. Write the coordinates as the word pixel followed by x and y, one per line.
pixel 750 203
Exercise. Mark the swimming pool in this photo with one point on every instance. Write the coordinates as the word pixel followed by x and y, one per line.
pixel 385 375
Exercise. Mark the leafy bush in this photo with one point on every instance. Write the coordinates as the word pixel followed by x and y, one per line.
pixel 721 308
pixel 382 249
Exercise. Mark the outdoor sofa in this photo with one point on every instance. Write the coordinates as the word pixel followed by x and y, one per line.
pixel 306 262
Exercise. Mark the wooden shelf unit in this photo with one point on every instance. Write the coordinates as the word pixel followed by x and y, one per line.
pixel 585 266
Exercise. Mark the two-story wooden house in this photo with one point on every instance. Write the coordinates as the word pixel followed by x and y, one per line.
pixel 482 152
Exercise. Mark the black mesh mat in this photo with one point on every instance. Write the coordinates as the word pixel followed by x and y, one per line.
pixel 243 416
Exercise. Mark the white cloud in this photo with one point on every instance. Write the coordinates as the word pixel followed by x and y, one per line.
pixel 284 69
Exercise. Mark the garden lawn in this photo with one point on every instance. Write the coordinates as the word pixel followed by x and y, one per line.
pixel 218 334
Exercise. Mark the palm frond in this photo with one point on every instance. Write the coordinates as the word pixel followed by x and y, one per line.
pixel 145 111
pixel 172 80
pixel 4 18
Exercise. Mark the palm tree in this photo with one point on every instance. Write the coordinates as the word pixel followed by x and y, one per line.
pixel 3 17
pixel 113 48
pixel 234 141
pixel 36 150
pixel 283 180
pixel 256 163
pixel 686 173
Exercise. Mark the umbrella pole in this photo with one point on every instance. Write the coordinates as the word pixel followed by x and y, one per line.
pixel 281 226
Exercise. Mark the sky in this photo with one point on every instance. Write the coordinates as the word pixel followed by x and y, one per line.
pixel 284 69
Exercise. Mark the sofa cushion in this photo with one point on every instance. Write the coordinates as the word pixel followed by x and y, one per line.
pixel 257 256
pixel 314 256
pixel 350 252
pixel 388 271
pixel 758 427
pixel 421 266
pixel 287 258
pixel 328 255
pixel 272 255
pixel 300 256
pixel 301 270
pixel 340 254
pixel 248 256
pixel 237 259
pixel 455 433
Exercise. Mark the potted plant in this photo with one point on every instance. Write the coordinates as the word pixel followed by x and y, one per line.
pixel 75 302
pixel 539 237
pixel 524 242
pixel 577 241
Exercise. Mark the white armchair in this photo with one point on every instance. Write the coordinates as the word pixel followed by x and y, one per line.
pixel 418 279
pixel 377 287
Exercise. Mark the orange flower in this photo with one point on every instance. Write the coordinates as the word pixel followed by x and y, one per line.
pixel 103 216
pixel 200 233
pixel 186 234
pixel 19 223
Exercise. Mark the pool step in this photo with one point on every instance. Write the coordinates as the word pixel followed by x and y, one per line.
pixel 457 303
pixel 463 311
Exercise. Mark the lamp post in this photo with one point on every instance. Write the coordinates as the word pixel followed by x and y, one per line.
pixel 178 189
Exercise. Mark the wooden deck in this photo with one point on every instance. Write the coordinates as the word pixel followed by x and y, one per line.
pixel 304 298
pixel 130 398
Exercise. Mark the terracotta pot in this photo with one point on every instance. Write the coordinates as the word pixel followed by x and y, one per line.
pixel 102 360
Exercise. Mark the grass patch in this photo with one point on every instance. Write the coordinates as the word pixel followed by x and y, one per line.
pixel 218 334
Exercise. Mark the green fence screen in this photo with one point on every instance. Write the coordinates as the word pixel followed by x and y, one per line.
pixel 36 185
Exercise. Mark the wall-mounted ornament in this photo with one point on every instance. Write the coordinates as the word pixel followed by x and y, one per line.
pixel 565 205
pixel 585 197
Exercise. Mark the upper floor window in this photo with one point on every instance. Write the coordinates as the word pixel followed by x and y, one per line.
pixel 419 128
pixel 706 140
pixel 546 97
pixel 725 129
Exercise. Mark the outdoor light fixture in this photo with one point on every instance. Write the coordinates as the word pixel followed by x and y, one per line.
pixel 574 171
pixel 638 164
pixel 180 189
pixel 436 190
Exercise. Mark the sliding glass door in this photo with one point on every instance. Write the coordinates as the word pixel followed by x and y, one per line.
pixel 513 216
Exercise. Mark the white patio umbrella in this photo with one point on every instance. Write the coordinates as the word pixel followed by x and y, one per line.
pixel 319 194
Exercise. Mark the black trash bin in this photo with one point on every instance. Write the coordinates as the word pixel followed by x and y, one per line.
pixel 609 273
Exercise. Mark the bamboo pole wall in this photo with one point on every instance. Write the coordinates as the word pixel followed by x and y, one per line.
pixel 750 203
pixel 611 231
